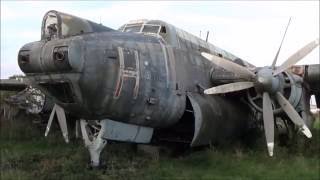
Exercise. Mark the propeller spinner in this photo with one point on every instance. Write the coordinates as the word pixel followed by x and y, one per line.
pixel 266 82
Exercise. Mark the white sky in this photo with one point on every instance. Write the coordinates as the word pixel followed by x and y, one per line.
pixel 249 30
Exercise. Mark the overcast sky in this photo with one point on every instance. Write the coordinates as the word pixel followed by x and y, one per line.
pixel 250 30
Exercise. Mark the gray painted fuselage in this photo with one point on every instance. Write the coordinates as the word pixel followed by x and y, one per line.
pixel 133 78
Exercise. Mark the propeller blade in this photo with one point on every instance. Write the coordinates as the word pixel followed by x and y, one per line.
pixel 293 114
pixel 276 57
pixel 241 71
pixel 297 56
pixel 229 88
pixel 268 121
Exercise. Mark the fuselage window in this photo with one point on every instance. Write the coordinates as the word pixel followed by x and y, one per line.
pixel 132 28
pixel 163 29
pixel 151 29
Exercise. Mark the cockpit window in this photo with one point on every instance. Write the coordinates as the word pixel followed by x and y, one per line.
pixel 51 26
pixel 163 29
pixel 60 25
pixel 150 28
pixel 72 26
pixel 134 28
pixel 143 28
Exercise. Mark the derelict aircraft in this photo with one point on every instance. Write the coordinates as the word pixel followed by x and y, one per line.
pixel 150 82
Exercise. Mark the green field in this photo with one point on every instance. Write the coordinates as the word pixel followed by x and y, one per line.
pixel 26 154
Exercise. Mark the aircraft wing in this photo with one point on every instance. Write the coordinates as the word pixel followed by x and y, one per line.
pixel 12 85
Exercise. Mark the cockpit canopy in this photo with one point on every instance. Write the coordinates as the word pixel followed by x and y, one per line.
pixel 60 25
pixel 141 26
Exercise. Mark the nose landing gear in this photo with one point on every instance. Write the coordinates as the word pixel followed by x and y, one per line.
pixel 93 135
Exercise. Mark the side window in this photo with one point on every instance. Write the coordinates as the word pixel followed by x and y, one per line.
pixel 163 33
pixel 151 29
pixel 132 28
pixel 163 29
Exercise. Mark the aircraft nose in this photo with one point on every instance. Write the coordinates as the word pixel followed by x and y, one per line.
pixel 49 57
pixel 29 57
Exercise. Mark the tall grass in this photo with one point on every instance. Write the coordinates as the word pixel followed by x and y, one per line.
pixel 27 154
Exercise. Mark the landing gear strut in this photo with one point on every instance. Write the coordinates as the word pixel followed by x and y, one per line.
pixel 93 135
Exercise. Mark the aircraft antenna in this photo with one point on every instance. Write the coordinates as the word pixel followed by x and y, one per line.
pixel 207 36
pixel 200 34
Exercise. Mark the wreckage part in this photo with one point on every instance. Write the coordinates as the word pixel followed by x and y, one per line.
pixel 94 141
pixel 32 100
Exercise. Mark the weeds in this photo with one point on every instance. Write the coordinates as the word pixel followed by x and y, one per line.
pixel 26 154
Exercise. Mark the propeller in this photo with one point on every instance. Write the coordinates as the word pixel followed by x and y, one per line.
pixel 229 87
pixel 293 115
pixel 296 57
pixel 268 122
pixel 267 82
pixel 241 71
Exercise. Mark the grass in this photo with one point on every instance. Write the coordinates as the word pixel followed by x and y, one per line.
pixel 26 154
pixel 228 165
pixel 316 124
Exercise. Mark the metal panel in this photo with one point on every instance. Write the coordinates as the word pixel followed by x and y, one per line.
pixel 119 131
pixel 215 123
